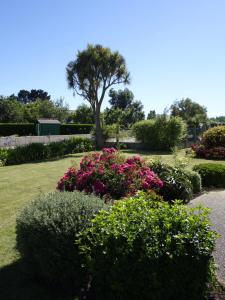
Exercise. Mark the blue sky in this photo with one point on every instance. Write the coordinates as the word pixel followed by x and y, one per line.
pixel 173 48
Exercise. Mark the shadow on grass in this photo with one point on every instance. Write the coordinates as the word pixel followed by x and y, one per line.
pixel 16 285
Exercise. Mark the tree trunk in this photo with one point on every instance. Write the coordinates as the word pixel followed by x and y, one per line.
pixel 99 137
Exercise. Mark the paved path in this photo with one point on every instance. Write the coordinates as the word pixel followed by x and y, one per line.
pixel 215 200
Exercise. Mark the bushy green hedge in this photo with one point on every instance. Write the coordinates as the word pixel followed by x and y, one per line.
pixel 162 133
pixel 213 175
pixel 46 230
pixel 141 249
pixel 76 128
pixel 176 183
pixel 214 137
pixel 23 129
pixel 38 151
pixel 7 129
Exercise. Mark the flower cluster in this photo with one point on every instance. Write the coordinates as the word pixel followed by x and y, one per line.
pixel 110 175
pixel 209 153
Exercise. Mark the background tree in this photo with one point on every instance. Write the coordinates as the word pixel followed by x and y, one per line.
pixel 151 115
pixel 124 109
pixel 190 111
pixel 82 115
pixel 25 96
pixel 92 73
pixel 10 110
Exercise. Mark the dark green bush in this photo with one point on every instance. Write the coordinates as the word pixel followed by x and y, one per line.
pixel 7 129
pixel 75 128
pixel 176 183
pixel 195 179
pixel 46 230
pixel 161 133
pixel 27 153
pixel 213 175
pixel 38 151
pixel 149 250
pixel 78 144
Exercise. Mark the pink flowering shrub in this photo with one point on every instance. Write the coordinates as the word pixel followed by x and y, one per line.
pixel 110 175
pixel 209 153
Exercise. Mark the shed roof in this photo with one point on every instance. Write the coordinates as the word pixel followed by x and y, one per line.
pixel 48 121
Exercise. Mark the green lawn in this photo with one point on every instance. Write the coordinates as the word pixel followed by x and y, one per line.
pixel 18 185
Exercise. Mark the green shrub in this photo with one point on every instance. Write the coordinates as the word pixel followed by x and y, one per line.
pixel 161 133
pixel 75 128
pixel 214 137
pixel 27 153
pixel 38 151
pixel 141 249
pixel 4 153
pixel 46 230
pixel 176 183
pixel 195 179
pixel 7 129
pixel 213 175
pixel 77 145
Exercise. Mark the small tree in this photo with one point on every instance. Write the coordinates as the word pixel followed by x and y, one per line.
pixel 92 73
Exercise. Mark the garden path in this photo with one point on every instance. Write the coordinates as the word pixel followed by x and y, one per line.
pixel 215 200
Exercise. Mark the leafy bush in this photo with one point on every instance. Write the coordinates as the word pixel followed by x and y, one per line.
pixel 38 151
pixel 209 153
pixel 27 153
pixel 214 137
pixel 75 128
pixel 142 249
pixel 7 129
pixel 110 175
pixel 46 230
pixel 176 183
pixel 3 156
pixel 213 175
pixel 195 179
pixel 161 133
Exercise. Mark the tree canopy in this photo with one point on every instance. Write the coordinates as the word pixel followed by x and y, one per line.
pixel 82 115
pixel 124 109
pixel 190 111
pixel 25 96
pixel 92 73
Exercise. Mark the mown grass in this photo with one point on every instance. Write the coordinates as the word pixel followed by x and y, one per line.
pixel 20 184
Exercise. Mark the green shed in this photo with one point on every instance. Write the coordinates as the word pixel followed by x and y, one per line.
pixel 48 127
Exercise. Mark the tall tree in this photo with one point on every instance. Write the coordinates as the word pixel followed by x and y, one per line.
pixel 190 111
pixel 25 96
pixel 124 109
pixel 151 115
pixel 82 115
pixel 92 73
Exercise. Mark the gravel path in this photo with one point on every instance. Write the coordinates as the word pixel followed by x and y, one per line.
pixel 215 200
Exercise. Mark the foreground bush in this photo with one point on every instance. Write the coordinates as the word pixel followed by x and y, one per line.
pixel 38 151
pixel 161 133
pixel 46 230
pixel 213 175
pixel 110 175
pixel 195 179
pixel 141 249
pixel 177 184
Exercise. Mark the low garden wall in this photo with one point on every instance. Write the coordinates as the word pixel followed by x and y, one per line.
pixel 13 141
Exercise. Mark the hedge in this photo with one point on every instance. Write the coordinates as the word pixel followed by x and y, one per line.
pixel 141 249
pixel 76 128
pixel 24 129
pixel 213 175
pixel 38 151
pixel 46 230
pixel 7 129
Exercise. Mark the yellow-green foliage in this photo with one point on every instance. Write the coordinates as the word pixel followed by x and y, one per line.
pixel 214 137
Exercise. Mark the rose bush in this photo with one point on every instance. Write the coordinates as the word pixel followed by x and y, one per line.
pixel 110 175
